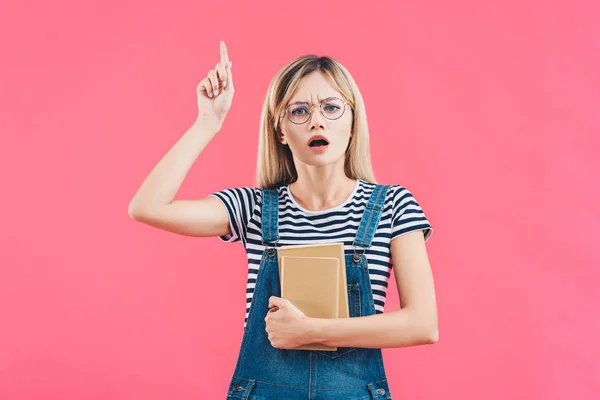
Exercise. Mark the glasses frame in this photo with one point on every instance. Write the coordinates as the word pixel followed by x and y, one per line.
pixel 310 107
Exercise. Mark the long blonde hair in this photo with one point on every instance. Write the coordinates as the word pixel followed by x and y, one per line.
pixel 275 165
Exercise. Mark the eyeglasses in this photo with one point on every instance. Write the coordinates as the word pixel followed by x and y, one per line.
pixel 331 108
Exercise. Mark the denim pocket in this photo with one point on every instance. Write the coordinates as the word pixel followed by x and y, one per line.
pixel 354 310
pixel 240 389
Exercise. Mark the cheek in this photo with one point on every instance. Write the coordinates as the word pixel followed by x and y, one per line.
pixel 349 123
pixel 293 137
pixel 344 130
pixel 344 124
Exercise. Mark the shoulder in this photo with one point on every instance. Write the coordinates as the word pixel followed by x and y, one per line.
pixel 397 198
pixel 397 191
pixel 394 190
pixel 242 195
pixel 279 191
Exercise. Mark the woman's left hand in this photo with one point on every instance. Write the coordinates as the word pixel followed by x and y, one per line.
pixel 286 325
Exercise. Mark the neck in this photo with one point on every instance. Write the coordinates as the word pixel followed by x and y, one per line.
pixel 321 193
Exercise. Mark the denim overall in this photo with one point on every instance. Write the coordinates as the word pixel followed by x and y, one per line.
pixel 264 372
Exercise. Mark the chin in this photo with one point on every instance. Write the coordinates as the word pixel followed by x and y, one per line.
pixel 321 160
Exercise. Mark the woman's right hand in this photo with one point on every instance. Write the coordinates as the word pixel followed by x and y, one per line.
pixel 215 92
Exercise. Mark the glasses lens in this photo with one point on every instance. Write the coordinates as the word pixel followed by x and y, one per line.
pixel 298 113
pixel 332 108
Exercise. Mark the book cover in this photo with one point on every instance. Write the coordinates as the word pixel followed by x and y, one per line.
pixel 335 250
pixel 312 285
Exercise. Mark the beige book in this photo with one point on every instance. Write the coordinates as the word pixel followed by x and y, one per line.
pixel 312 285
pixel 335 250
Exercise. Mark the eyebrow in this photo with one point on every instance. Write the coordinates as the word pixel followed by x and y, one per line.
pixel 300 101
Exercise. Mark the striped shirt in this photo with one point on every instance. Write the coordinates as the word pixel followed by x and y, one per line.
pixel 401 214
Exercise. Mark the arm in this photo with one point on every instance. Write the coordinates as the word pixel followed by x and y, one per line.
pixel 415 324
pixel 154 203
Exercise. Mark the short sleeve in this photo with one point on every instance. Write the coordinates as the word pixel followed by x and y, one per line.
pixel 407 215
pixel 239 203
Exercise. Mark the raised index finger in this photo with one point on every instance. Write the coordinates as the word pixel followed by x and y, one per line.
pixel 224 55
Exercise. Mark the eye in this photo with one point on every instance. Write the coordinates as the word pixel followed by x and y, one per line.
pixel 331 108
pixel 299 110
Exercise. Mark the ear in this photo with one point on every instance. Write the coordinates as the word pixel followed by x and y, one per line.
pixel 281 138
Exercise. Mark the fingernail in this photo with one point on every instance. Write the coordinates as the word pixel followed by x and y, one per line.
pixel 224 83
pixel 229 64
pixel 210 95
pixel 216 92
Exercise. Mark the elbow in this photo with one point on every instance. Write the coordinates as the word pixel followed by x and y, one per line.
pixel 427 332
pixel 426 329
pixel 433 336
pixel 134 211
pixel 429 328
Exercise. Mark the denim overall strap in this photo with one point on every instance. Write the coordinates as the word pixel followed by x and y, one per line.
pixel 370 219
pixel 270 215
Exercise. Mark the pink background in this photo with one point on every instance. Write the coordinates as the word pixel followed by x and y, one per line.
pixel 488 111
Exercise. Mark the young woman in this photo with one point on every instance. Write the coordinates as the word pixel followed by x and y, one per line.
pixel 314 185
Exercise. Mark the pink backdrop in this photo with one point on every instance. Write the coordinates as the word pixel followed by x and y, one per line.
pixel 488 111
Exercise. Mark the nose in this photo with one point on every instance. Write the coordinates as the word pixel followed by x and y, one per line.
pixel 316 118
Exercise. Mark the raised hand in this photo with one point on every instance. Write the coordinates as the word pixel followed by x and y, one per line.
pixel 215 92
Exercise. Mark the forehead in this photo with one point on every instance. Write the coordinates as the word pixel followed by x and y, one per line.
pixel 314 85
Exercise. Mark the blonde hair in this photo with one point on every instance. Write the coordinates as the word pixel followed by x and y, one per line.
pixel 275 165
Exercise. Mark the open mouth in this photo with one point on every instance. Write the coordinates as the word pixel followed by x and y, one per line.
pixel 318 141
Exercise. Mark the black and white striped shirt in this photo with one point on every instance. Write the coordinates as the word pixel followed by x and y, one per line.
pixel 401 214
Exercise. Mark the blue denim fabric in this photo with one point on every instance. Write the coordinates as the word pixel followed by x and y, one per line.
pixel 263 372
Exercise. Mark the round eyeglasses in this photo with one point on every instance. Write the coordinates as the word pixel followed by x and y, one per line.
pixel 331 108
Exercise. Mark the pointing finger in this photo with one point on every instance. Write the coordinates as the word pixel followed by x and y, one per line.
pixel 224 55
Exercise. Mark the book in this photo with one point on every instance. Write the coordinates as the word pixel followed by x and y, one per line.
pixel 335 250
pixel 312 285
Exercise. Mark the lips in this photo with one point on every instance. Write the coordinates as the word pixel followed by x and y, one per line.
pixel 318 140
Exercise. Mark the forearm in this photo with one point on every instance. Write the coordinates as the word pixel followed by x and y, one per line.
pixel 399 328
pixel 165 179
